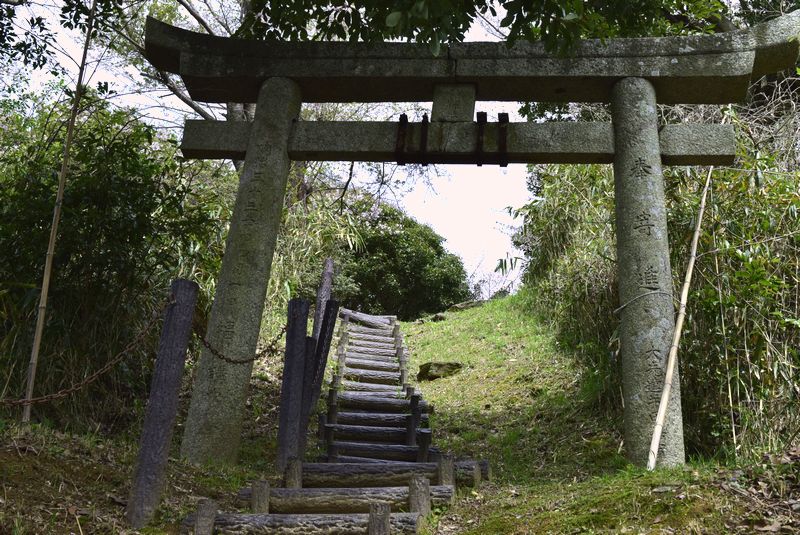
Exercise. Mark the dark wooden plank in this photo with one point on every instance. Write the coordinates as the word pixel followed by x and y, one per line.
pixel 344 499
pixel 368 433
pixel 370 364
pixel 289 416
pixel 374 418
pixel 391 452
pixel 162 406
pixel 318 524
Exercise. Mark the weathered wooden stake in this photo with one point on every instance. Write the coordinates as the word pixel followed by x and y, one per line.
pixel 645 278
pixel 292 386
pixel 419 495
pixel 333 404
pixel 424 444
pixel 378 519
pixel 477 475
pixel 323 294
pixel 259 499
pixel 446 470
pixel 162 407
pixel 206 515
pixel 414 420
pixel 293 477
pixel 312 386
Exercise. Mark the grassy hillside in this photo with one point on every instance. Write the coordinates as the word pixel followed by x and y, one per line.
pixel 519 401
pixel 558 467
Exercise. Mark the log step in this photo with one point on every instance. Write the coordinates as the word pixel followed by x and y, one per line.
pixel 375 322
pixel 372 356
pixel 464 470
pixel 368 401
pixel 371 352
pixel 378 393
pixel 386 419
pixel 345 500
pixel 373 376
pixel 367 364
pixel 366 474
pixel 339 524
pixel 380 331
pixel 385 390
pixel 391 452
pixel 386 339
pixel 368 433
pixel 356 342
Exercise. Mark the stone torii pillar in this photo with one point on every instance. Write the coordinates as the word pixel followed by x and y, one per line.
pixel 644 274
pixel 213 427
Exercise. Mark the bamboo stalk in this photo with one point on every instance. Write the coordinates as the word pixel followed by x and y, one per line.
pixel 724 341
pixel 676 337
pixel 62 179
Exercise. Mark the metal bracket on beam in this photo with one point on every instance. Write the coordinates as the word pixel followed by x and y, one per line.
pixel 400 142
pixel 481 132
pixel 423 141
pixel 502 139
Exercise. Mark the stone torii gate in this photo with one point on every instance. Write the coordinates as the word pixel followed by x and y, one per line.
pixel 633 75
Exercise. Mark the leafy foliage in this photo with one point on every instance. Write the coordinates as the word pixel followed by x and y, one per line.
pixel 403 267
pixel 135 216
pixel 739 357
pixel 33 41
pixel 556 22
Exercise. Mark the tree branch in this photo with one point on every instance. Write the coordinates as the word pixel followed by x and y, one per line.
pixel 178 92
pixel 340 200
pixel 193 12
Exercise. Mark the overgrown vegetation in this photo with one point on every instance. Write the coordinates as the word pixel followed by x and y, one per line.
pixel 739 351
pixel 134 217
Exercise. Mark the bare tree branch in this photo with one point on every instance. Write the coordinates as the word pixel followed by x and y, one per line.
pixel 178 92
pixel 344 190
pixel 193 12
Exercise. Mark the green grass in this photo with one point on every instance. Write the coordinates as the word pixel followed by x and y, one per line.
pixel 520 402
pixel 558 467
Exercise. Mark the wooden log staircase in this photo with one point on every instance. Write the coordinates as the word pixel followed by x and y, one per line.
pixel 380 473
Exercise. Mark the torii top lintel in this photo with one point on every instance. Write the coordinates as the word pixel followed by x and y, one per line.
pixel 699 69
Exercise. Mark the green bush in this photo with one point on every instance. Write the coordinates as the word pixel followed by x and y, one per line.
pixel 402 268
pixel 739 351
pixel 134 217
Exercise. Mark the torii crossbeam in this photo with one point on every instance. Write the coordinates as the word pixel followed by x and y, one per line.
pixel 633 75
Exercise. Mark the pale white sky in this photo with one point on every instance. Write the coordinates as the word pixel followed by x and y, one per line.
pixel 468 207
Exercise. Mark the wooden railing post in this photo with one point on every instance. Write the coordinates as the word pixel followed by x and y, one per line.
pixel 162 407
pixel 378 519
pixel 316 361
pixel 259 499
pixel 205 518
pixel 323 295
pixel 292 386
